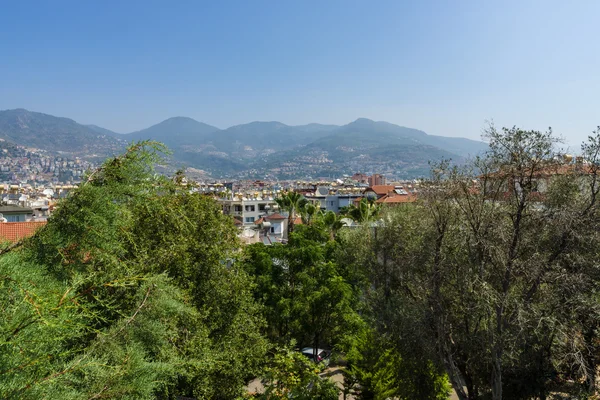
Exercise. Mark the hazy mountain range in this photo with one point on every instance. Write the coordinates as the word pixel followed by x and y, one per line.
pixel 254 148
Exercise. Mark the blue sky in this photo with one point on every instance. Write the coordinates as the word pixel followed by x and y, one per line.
pixel 442 66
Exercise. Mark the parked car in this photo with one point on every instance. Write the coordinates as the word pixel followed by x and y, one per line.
pixel 321 355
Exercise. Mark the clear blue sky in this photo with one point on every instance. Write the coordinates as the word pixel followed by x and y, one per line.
pixel 442 66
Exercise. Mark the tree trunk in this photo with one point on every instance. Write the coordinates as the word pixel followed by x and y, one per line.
pixel 496 379
pixel 290 224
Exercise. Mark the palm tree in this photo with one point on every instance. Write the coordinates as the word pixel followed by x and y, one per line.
pixel 291 202
pixel 366 211
pixel 308 213
pixel 333 222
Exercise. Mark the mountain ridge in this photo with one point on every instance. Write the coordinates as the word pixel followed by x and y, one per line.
pixel 258 147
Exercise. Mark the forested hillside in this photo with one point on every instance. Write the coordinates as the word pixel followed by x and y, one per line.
pixel 137 288
pixel 252 150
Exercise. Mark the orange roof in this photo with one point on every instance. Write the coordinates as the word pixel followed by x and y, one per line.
pixel 259 221
pixel 298 221
pixel 15 231
pixel 380 189
pixel 394 198
pixel 274 216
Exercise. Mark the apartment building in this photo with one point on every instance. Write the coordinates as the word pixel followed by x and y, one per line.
pixel 333 199
pixel 248 210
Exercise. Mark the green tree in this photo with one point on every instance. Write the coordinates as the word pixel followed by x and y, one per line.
pixel 492 275
pixel 305 296
pixel 292 202
pixel 308 213
pixel 366 211
pixel 292 375
pixel 131 294
pixel 393 357
pixel 333 222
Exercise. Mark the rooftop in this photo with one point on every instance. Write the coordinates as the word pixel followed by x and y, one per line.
pixel 15 231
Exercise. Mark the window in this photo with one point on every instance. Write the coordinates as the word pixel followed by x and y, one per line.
pixel 261 207
pixel 249 219
pixel 238 208
pixel 250 208
pixel 272 229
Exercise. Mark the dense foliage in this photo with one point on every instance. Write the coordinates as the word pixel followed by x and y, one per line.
pixel 493 275
pixel 125 293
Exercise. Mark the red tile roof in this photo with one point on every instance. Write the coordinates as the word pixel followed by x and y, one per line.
pixel 394 198
pixel 380 190
pixel 275 217
pixel 15 231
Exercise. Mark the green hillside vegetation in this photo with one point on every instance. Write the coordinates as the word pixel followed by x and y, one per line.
pixel 51 133
pixel 266 135
pixel 104 131
pixel 257 146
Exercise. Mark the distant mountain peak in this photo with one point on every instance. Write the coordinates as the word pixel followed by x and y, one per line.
pixel 363 120
pixel 181 118
pixel 175 131
pixel 261 124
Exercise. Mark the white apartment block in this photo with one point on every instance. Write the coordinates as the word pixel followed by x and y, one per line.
pixel 247 210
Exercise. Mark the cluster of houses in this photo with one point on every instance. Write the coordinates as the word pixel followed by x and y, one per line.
pixel 254 208
pixel 251 204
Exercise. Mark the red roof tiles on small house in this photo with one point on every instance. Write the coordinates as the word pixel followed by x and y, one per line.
pixel 267 218
pixel 275 217
pixel 380 190
pixel 15 231
pixel 395 198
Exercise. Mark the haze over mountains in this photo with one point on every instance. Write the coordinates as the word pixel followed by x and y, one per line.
pixel 254 149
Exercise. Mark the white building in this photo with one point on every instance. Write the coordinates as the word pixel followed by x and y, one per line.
pixel 248 210
pixel 330 199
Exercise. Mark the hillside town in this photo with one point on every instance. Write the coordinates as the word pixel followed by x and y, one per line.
pixel 20 165
pixel 32 186
pixel 27 203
